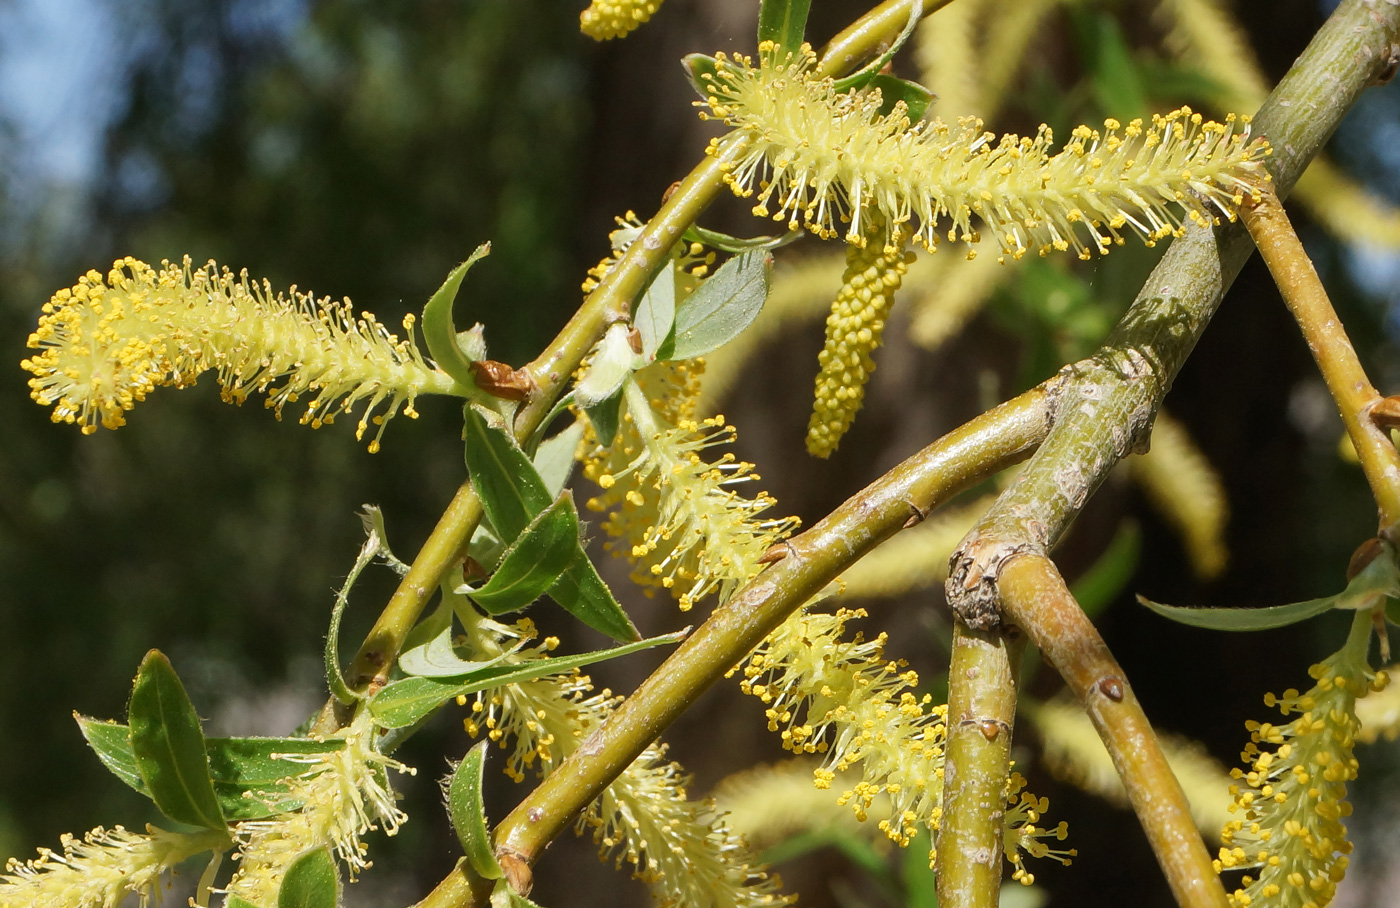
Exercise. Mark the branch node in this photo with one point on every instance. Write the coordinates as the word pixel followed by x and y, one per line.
pixel 973 573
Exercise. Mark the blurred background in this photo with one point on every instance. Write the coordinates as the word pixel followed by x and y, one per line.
pixel 362 149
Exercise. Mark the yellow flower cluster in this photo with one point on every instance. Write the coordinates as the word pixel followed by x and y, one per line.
pixel 107 342
pixel 854 330
pixel 818 156
pixel 684 527
pixel 684 850
pixel 344 793
pixel 606 19
pixel 1290 802
pixel 101 869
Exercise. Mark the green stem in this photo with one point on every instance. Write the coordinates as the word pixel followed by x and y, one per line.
pixel 965 456
pixel 1336 359
pixel 1111 399
pixel 864 37
pixel 982 685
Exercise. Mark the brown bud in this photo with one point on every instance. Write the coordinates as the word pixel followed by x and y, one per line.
pixel 516 869
pixel 1112 688
pixel 1363 556
pixel 500 380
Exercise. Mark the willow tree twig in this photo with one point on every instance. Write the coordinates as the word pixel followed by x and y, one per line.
pixel 996 439
pixel 981 717
pixel 1030 584
pixel 1336 359
pixel 1111 398
pixel 609 302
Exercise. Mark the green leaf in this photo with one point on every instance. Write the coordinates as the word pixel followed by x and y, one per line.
pixel 168 744
pixel 722 306
pixel 438 659
pixel 783 22
pixel 250 775
pixel 613 360
pixel 723 241
pixel 430 627
pixel 409 700
pixel 656 313
pixel 555 457
pixel 583 594
pixel 468 813
pixel 606 417
pixel 534 561
pixel 1243 619
pixel 247 772
pixel 861 78
pixel 313 881
pixel 700 69
pixel 234 901
pixel 503 896
pixel 438 329
pixel 111 741
pixel 1378 581
pixel 509 486
pixel 916 98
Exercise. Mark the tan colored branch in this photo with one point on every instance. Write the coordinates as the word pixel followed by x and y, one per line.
pixel 1327 339
pixel 1036 599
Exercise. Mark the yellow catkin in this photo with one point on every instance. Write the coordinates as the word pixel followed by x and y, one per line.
pixel 1205 35
pixel 607 19
pixel 684 850
pixel 110 340
pixel 1182 485
pixel 854 329
pixel 1286 828
pixel 818 157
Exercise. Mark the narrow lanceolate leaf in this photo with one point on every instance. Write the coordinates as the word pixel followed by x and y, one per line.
pixel 468 813
pixel 1243 619
pixel 236 902
pixel 723 306
pixel 534 561
pixel 1372 586
pixel 405 702
pixel 111 741
pixel 783 22
pixel 313 881
pixel 168 745
pixel 916 98
pixel 656 313
pixel 438 329
pixel 509 486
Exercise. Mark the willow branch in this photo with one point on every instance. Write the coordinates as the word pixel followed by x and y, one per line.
pixel 1111 398
pixel 1031 585
pixel 610 301
pixel 981 717
pixel 1336 359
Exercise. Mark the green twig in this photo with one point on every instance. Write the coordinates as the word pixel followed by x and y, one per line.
pixel 1110 399
pixel 964 456
pixel 982 684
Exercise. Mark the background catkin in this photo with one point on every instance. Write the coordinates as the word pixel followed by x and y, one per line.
pixel 853 331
